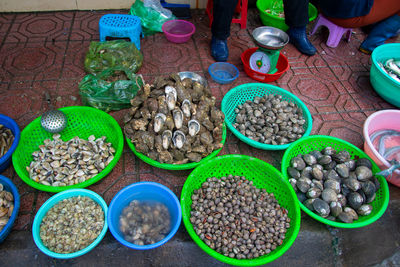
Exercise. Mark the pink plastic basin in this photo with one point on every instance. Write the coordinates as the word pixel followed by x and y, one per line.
pixel 178 31
pixel 381 120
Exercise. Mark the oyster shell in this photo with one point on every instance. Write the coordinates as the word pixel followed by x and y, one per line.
pixel 194 127
pixel 179 139
pixel 177 115
pixel 186 106
pixel 170 97
pixel 166 139
pixel 159 121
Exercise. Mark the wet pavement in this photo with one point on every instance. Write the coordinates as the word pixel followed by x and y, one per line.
pixel 44 52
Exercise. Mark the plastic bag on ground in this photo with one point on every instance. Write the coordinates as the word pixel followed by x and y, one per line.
pixel 111 89
pixel 105 55
pixel 151 14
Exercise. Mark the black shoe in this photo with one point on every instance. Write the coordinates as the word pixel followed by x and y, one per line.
pixel 219 49
pixel 298 37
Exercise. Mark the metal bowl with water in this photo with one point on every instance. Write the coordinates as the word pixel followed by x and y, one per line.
pixel 270 37
pixel 194 76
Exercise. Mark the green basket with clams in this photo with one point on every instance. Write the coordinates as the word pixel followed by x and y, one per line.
pixel 176 167
pixel 264 176
pixel 319 142
pixel 81 122
pixel 240 94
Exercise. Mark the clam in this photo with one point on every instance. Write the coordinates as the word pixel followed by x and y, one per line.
pixel 342 170
pixel 166 139
pixel 321 207
pixel 341 156
pixel 328 151
pixel 186 106
pixel 177 115
pixel 345 217
pixel 355 200
pixel 353 184
pixel 293 172
pixel 329 195
pixel 309 203
pixel 324 159
pixel 298 163
pixel 159 121
pixel 309 159
pixel 194 127
pixel 351 212
pixel 363 173
pixel 364 162
pixel 332 184
pixel 313 192
pixel 365 209
pixel 336 208
pixel 179 139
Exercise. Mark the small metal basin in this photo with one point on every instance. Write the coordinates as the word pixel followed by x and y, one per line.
pixel 270 37
pixel 194 76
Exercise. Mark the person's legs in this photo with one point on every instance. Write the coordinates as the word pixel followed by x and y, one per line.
pixel 296 17
pixel 222 16
pixel 384 14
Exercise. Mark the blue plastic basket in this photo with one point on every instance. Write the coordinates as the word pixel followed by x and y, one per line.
pixel 223 72
pixel 10 187
pixel 144 191
pixel 5 160
pixel 53 201
pixel 116 25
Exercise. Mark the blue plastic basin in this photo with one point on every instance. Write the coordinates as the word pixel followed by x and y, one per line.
pixel 10 187
pixel 13 126
pixel 223 72
pixel 144 191
pixel 53 201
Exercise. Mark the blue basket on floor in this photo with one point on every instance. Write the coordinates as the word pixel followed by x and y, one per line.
pixel 223 72
pixel 116 25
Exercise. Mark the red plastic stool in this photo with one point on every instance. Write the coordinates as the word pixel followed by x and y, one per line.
pixel 240 8
pixel 335 32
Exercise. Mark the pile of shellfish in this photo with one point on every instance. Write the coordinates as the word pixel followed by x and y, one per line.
pixel 59 163
pixel 174 121
pixel 6 206
pixel 333 185
pixel 6 139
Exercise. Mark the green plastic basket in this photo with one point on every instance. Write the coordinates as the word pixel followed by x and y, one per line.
pixel 263 175
pixel 176 167
pixel 318 142
pixel 248 91
pixel 278 22
pixel 82 122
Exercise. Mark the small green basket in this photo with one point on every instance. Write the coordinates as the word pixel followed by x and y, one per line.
pixel 263 175
pixel 278 22
pixel 176 167
pixel 240 94
pixel 318 142
pixel 81 122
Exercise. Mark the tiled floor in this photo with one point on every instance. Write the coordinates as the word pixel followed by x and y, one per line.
pixel 44 52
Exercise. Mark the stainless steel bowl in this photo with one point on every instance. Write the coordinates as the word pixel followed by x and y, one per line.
pixel 194 76
pixel 270 37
